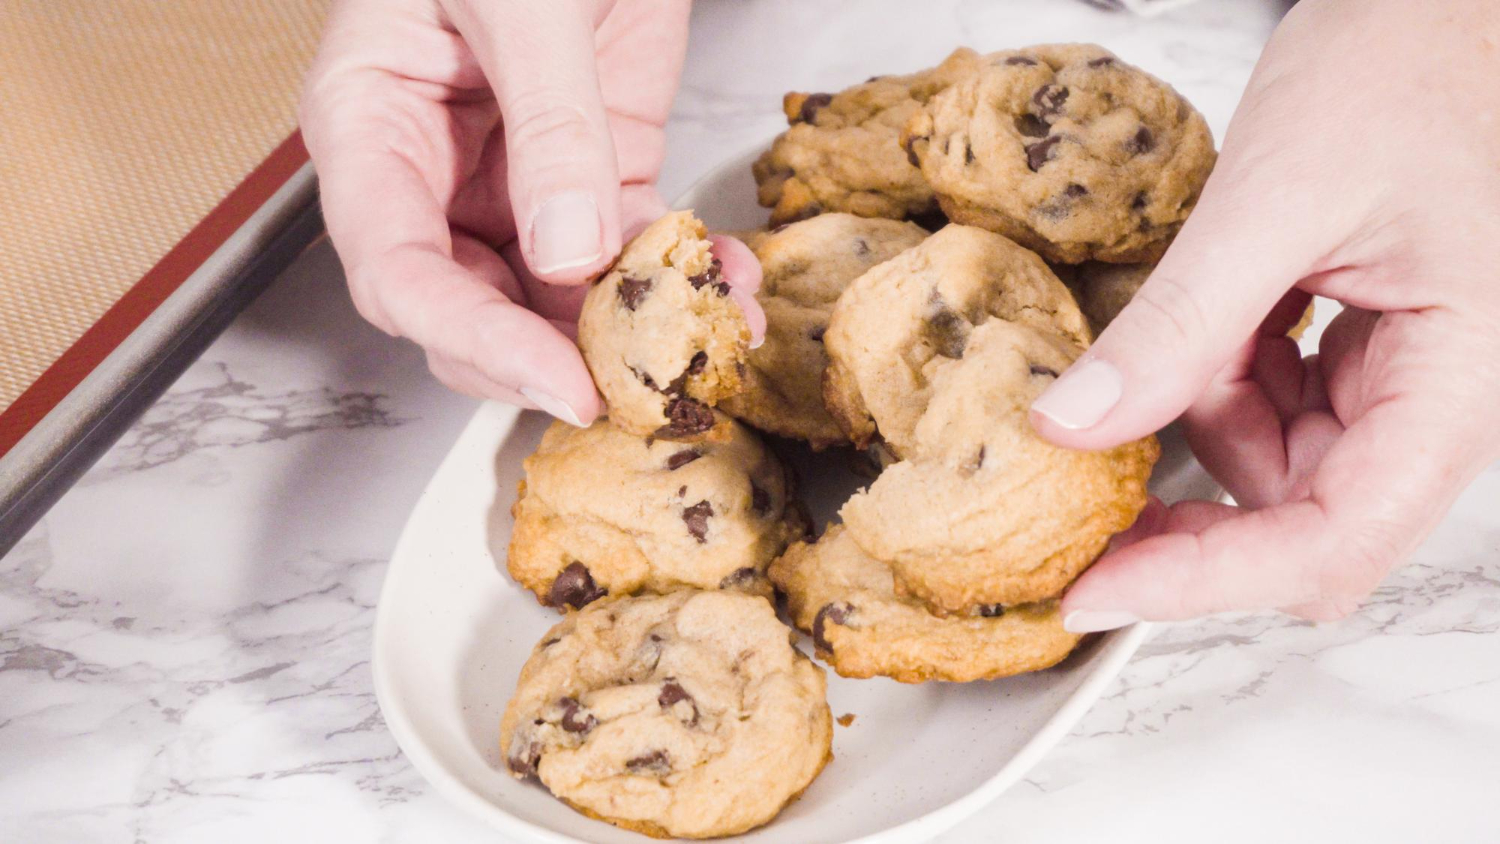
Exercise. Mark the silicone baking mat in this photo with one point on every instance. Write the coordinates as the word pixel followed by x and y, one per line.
pixel 135 137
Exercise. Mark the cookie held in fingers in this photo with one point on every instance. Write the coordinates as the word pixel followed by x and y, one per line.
pixel 805 266
pixel 602 512
pixel 661 335
pixel 683 715
pixel 1067 150
pixel 841 152
pixel 901 320
pixel 982 510
pixel 863 627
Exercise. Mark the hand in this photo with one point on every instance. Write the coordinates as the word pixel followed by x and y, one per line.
pixel 480 159
pixel 1363 165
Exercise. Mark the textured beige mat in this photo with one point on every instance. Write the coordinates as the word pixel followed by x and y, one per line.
pixel 123 123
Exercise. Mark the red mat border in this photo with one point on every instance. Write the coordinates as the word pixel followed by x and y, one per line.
pixel 143 298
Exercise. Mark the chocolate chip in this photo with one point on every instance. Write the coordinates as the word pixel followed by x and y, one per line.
pixel 686 417
pixel 672 693
pixel 817 332
pixel 632 289
pixel 861 247
pixel 968 154
pixel 1031 126
pixel 874 79
pixel 696 517
pixel 909 143
pixel 574 587
pixel 1103 61
pixel 524 764
pixel 739 579
pixel 1040 152
pixel 550 642
pixel 1075 190
pixel 947 333
pixel 991 610
pixel 571 720
pixel 1023 61
pixel 1141 143
pixel 760 501
pixel 655 762
pixel 812 105
pixel 1050 98
pixel 1139 203
pixel 977 463
pixel 646 379
pixel 710 276
pixel 682 458
pixel 1043 370
pixel 838 613
pixel 696 364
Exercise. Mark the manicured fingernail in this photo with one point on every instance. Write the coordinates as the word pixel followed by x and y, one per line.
pixel 1082 396
pixel 552 405
pixel 1093 621
pixel 566 232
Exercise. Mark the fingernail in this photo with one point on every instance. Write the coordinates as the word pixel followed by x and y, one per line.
pixel 552 405
pixel 1082 396
pixel 1093 621
pixel 566 232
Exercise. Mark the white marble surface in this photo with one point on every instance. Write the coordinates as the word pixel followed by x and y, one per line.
pixel 184 640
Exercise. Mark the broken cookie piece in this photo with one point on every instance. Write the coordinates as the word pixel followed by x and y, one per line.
pixel 661 335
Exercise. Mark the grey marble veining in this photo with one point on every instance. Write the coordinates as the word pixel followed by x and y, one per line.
pixel 184 639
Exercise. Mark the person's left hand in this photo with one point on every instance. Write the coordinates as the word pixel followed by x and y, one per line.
pixel 479 160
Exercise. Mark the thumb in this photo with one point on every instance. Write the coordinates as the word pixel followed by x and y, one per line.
pixel 562 175
pixel 1234 259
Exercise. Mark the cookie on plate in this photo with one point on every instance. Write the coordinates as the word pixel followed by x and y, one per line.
pixel 683 715
pixel 841 152
pixel 1068 151
pixel 602 512
pixel 982 510
pixel 898 322
pixel 863 627
pixel 806 266
pixel 661 335
pixel 1103 290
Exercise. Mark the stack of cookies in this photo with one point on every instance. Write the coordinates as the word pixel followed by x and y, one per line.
pixel 941 247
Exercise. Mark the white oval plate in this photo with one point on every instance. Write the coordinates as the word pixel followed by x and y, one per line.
pixel 452 631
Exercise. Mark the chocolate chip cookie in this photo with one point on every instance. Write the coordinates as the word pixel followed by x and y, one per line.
pixel 602 512
pixel 806 266
pixel 683 715
pixel 863 627
pixel 1067 150
pixel 982 510
pixel 661 335
pixel 841 152
pixel 902 320
pixel 1105 289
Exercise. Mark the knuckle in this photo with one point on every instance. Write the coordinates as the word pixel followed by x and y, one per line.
pixel 547 120
pixel 1167 309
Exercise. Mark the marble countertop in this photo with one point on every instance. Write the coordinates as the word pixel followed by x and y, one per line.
pixel 185 638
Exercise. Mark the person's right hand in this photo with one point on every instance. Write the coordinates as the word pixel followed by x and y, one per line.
pixel 479 160
pixel 1362 165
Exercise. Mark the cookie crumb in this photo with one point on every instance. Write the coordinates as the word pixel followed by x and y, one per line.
pixel 846 720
